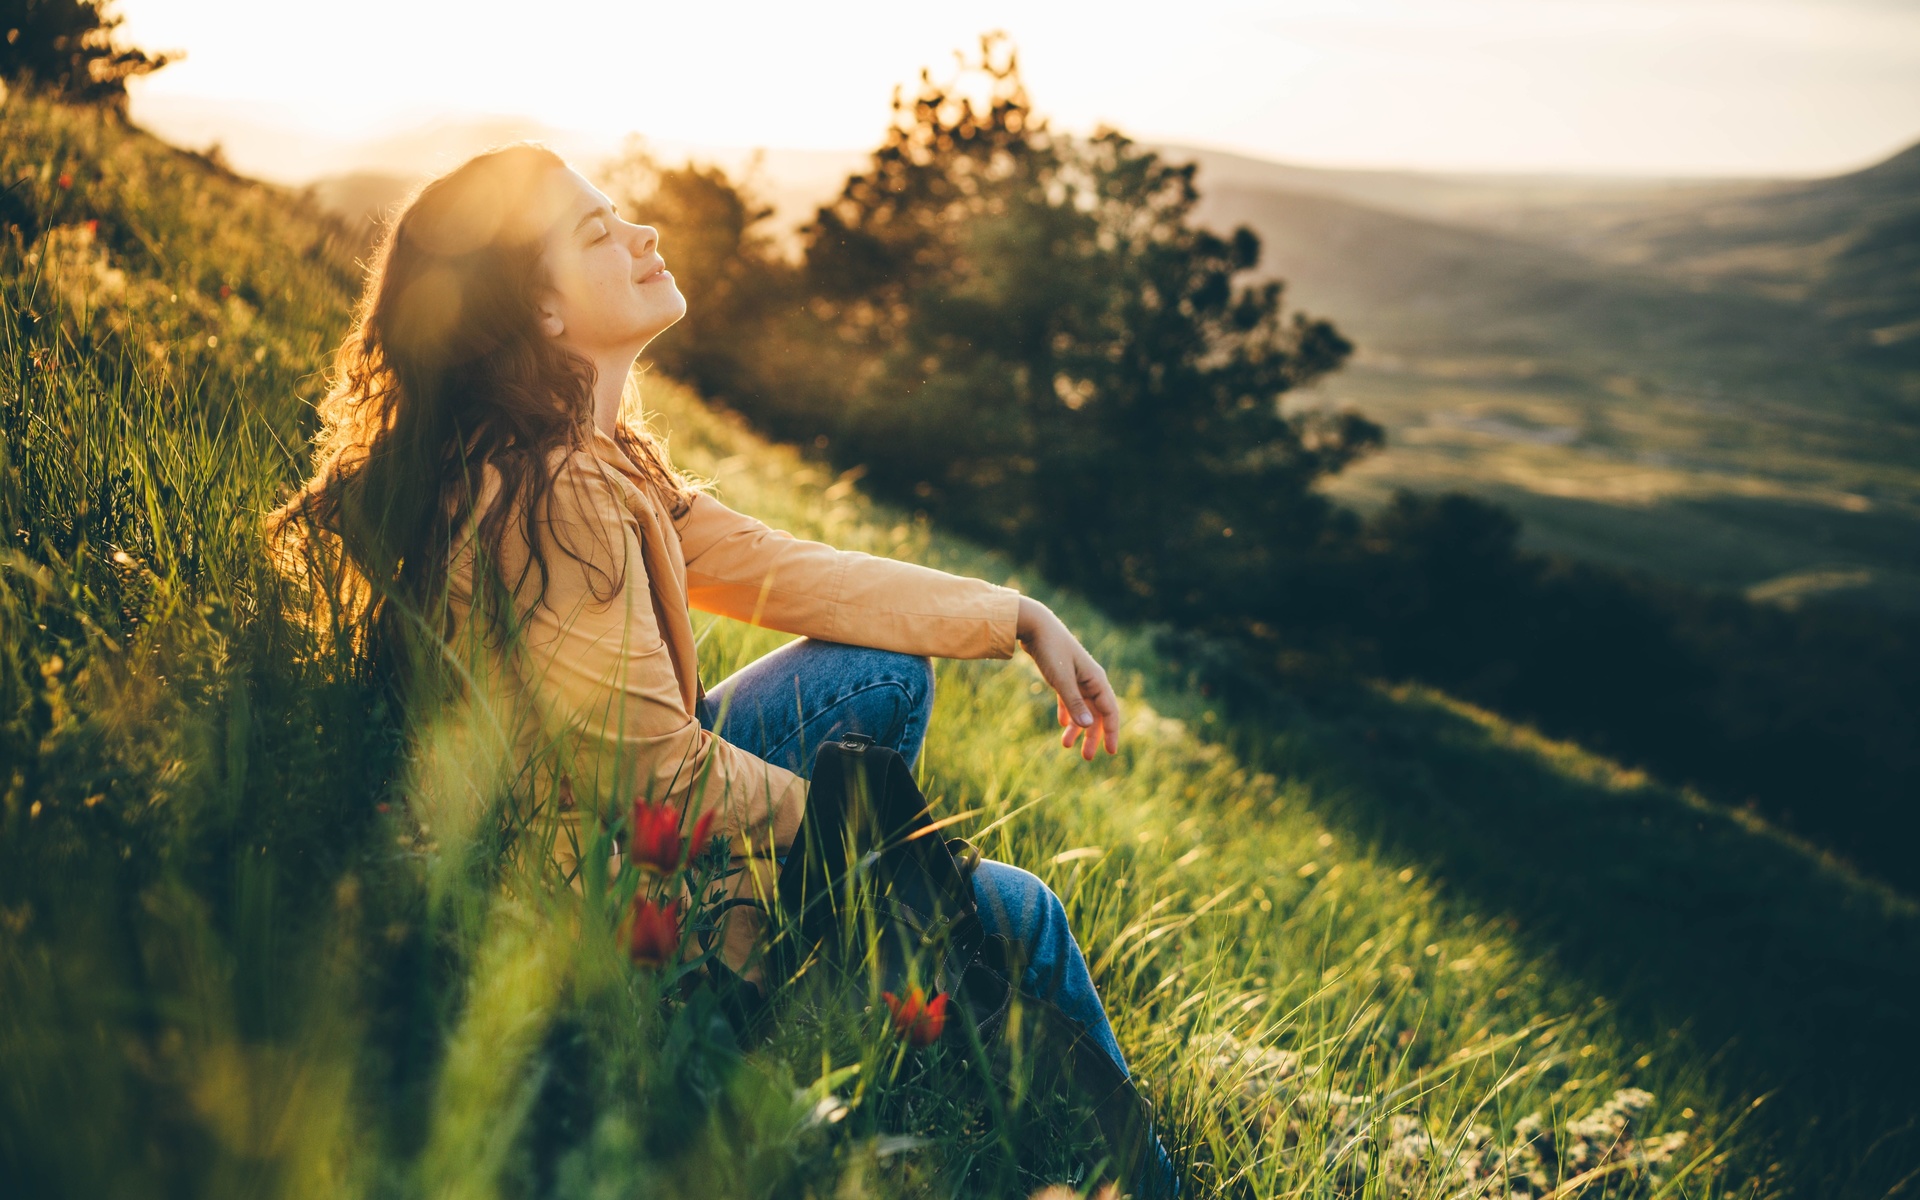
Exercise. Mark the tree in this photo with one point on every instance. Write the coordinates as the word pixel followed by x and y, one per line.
pixel 1031 339
pixel 68 48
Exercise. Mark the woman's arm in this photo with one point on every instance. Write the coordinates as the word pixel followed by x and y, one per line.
pixel 739 567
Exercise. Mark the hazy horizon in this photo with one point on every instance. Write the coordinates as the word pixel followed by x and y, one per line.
pixel 278 147
pixel 1662 88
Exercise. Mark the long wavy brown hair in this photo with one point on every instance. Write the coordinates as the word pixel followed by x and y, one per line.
pixel 444 381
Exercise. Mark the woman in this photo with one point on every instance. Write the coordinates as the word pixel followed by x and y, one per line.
pixel 474 464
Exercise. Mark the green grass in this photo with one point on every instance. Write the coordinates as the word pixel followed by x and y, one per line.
pixel 1384 946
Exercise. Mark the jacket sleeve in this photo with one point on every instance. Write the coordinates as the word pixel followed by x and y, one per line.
pixel 738 567
pixel 602 671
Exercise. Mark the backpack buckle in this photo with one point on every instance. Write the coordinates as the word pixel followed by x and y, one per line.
pixel 966 856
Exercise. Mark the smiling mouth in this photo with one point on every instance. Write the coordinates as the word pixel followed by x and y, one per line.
pixel 659 273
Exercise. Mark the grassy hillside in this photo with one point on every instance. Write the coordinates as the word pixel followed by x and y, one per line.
pixel 1704 381
pixel 1387 946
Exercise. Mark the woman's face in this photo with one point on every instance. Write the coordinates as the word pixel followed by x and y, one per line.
pixel 608 290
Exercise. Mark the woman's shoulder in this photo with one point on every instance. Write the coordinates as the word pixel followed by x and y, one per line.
pixel 570 476
pixel 587 488
pixel 566 495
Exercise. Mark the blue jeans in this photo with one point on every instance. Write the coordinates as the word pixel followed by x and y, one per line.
pixel 783 706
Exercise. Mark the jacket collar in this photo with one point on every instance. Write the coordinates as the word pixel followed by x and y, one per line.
pixel 666 572
pixel 608 451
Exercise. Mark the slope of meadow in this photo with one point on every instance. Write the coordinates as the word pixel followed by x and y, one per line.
pixel 1387 946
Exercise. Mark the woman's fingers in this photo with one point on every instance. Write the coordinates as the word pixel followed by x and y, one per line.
pixel 1063 674
pixel 1106 709
pixel 1097 694
pixel 1104 730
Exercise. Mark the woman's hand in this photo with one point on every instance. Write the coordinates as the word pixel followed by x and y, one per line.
pixel 1087 706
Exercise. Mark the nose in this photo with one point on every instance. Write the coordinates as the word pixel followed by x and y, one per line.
pixel 645 238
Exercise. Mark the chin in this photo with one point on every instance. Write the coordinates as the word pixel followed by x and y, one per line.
pixel 668 315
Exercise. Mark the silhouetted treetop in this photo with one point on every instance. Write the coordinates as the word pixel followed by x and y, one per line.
pixel 68 47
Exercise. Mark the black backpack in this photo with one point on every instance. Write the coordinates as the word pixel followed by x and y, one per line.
pixel 871 885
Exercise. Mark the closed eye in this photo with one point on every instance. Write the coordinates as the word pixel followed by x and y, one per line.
pixel 602 216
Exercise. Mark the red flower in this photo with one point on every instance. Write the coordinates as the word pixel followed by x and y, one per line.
pixel 225 291
pixel 65 180
pixel 654 844
pixel 917 1019
pixel 93 226
pixel 656 932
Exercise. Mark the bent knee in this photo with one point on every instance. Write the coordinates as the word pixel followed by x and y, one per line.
pixel 1019 901
pixel 915 672
pixel 912 673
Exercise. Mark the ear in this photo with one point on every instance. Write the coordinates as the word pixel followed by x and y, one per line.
pixel 548 309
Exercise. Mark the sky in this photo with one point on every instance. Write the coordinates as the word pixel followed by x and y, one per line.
pixel 1665 87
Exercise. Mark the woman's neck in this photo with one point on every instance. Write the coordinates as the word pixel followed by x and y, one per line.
pixel 609 386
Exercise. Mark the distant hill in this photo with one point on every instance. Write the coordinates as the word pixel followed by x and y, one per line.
pixel 1848 247
pixel 1712 380
pixel 1843 252
pixel 1410 286
pixel 1481 199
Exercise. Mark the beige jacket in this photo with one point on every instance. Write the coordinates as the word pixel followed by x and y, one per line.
pixel 608 654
